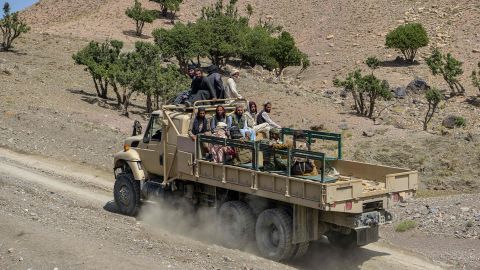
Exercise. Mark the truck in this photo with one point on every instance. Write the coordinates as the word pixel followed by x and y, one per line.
pixel 346 201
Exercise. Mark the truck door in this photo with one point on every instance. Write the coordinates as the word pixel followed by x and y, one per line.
pixel 151 147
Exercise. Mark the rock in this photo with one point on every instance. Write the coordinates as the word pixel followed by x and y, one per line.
pixel 400 92
pixel 464 209
pixel 476 50
pixel 227 259
pixel 418 86
pixel 449 121
pixel 368 133
pixel 318 127
pixel 3 61
pixel 330 37
pixel 10 250
pixel 20 259
pixel 343 126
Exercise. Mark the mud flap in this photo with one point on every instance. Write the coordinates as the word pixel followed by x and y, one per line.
pixel 367 235
pixel 305 224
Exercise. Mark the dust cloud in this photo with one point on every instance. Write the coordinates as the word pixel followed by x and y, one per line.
pixel 182 218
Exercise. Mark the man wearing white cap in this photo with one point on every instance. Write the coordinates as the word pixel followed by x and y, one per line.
pixel 231 89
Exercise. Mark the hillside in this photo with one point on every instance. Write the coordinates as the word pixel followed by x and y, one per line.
pixel 358 28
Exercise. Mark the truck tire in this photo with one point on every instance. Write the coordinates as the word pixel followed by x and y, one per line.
pixel 300 250
pixel 126 193
pixel 273 232
pixel 237 224
pixel 340 240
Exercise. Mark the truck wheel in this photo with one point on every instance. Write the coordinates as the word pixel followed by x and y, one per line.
pixel 237 224
pixel 344 241
pixel 126 193
pixel 274 231
pixel 300 250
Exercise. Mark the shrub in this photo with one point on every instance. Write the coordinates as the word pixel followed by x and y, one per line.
pixel 433 97
pixel 287 54
pixel 476 77
pixel 460 121
pixel 365 90
pixel 407 39
pixel 372 62
pixel 100 61
pixel 140 16
pixel 12 26
pixel 450 69
pixel 405 225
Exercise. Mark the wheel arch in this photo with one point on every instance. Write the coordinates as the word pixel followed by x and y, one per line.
pixel 130 158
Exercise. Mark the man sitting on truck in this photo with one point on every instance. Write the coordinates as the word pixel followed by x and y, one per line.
pixel 274 162
pixel 199 125
pixel 241 121
pixel 264 115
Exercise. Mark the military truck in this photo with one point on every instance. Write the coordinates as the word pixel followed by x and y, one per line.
pixel 346 201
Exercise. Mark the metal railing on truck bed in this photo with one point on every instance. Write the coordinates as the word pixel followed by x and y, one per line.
pixel 259 147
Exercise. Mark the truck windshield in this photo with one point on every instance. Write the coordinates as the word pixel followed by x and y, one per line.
pixel 154 131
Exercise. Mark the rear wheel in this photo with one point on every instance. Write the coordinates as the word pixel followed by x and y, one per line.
pixel 126 193
pixel 274 231
pixel 237 224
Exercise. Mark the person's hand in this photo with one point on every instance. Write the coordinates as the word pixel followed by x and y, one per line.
pixel 193 137
pixel 214 99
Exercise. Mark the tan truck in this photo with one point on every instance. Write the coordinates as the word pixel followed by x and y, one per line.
pixel 346 201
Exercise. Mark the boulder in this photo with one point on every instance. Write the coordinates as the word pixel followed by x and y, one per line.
pixel 400 92
pixel 450 121
pixel 418 86
pixel 368 133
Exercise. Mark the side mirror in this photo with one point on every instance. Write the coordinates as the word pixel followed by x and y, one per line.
pixel 137 128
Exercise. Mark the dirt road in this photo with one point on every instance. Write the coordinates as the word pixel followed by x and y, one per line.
pixel 60 215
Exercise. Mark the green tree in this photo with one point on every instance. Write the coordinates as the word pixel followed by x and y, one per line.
pixel 180 42
pixel 433 97
pixel 100 61
pixel 140 16
pixel 172 6
pixel 365 90
pixel 287 54
pixel 12 26
pixel 168 82
pixel 142 71
pixel 407 39
pixel 256 48
pixel 220 30
pixel 476 77
pixel 450 69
